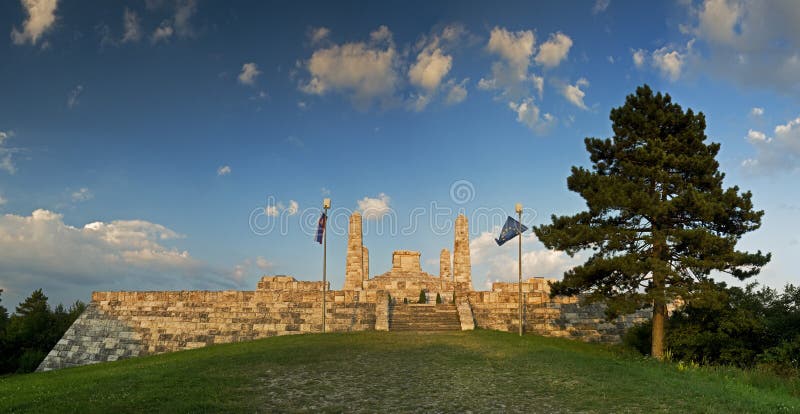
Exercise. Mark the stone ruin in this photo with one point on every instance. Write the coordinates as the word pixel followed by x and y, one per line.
pixel 119 325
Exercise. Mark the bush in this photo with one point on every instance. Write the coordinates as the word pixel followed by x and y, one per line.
pixel 405 300
pixel 639 337
pixel 423 298
pixel 438 298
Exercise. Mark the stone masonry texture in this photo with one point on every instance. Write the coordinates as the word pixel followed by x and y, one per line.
pixel 118 325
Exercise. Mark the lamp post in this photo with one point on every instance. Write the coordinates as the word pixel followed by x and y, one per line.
pixel 326 204
pixel 518 208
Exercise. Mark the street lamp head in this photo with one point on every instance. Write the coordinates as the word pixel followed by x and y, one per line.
pixel 518 208
pixel 326 203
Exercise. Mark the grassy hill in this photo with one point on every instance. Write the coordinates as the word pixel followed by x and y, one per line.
pixel 481 371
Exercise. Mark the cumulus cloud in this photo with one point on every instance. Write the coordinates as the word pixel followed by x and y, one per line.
pixel 669 62
pixel 574 94
pixel 600 6
pixel 293 208
pixel 249 74
pixel 224 170
pixel 318 34
pixel 753 43
pixel 756 111
pixel 456 92
pixel 184 10
pixel 638 57
pixel 6 161
pixel 780 152
pixel 41 16
pixel 554 50
pixel 162 33
pixel 501 263
pixel 430 68
pixel 374 208
pixel 132 27
pixel 82 194
pixel 263 263
pixel 40 250
pixel 73 99
pixel 275 209
pixel 364 71
pixel 528 115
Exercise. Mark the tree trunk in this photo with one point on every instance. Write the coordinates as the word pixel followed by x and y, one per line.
pixel 659 316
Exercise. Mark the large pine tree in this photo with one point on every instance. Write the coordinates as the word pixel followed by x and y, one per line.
pixel 658 220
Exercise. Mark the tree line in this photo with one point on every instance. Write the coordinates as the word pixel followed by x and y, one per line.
pixel 32 330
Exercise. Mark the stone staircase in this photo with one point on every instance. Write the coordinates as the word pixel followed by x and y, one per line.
pixel 423 317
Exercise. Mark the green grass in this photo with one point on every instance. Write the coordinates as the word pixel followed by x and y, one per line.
pixel 480 371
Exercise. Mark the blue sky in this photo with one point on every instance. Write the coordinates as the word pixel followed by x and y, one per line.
pixel 188 144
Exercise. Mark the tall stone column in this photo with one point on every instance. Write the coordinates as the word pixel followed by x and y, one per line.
pixel 365 260
pixel 444 267
pixel 354 267
pixel 462 269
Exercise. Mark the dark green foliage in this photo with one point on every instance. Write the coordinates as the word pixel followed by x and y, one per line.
pixel 724 325
pixel 33 330
pixel 454 298
pixel 423 298
pixel 438 298
pixel 405 301
pixel 658 220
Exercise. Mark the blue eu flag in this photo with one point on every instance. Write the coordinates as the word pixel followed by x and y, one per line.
pixel 510 230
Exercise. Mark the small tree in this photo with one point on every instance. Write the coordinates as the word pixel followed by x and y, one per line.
pixel 658 219
pixel 423 298
pixel 438 298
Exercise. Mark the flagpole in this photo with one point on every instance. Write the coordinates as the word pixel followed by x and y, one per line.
pixel 326 204
pixel 519 233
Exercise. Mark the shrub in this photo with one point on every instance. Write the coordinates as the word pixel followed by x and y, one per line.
pixel 423 298
pixel 438 298
pixel 405 300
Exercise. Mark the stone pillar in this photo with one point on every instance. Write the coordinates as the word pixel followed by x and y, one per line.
pixel 354 267
pixel 462 269
pixel 365 260
pixel 444 267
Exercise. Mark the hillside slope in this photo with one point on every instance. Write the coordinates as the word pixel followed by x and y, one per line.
pixel 481 371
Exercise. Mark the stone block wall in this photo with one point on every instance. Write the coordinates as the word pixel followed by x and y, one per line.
pixel 563 317
pixel 124 324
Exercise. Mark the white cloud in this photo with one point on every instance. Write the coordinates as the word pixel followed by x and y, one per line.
pixel 6 162
pixel 41 251
pixel 756 111
pixel 528 115
pixel 374 208
pixel 514 47
pixel 600 6
pixel 272 211
pixel 574 94
pixel 756 136
pixel 325 191
pixel 668 62
pixel 162 33
pixel 249 74
pixel 554 50
pixel 319 34
pixel 73 99
pixel 263 263
pixel 456 92
pixel 41 16
pixel 501 262
pixel 718 19
pixel 365 72
pixel 638 57
pixel 538 84
pixel 184 10
pixel 3 200
pixel 776 153
pixel 224 170
pixel 82 195
pixel 293 207
pixel 753 43
pixel 430 68
pixel 131 25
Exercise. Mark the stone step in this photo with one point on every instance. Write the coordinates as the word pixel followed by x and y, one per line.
pixel 424 317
